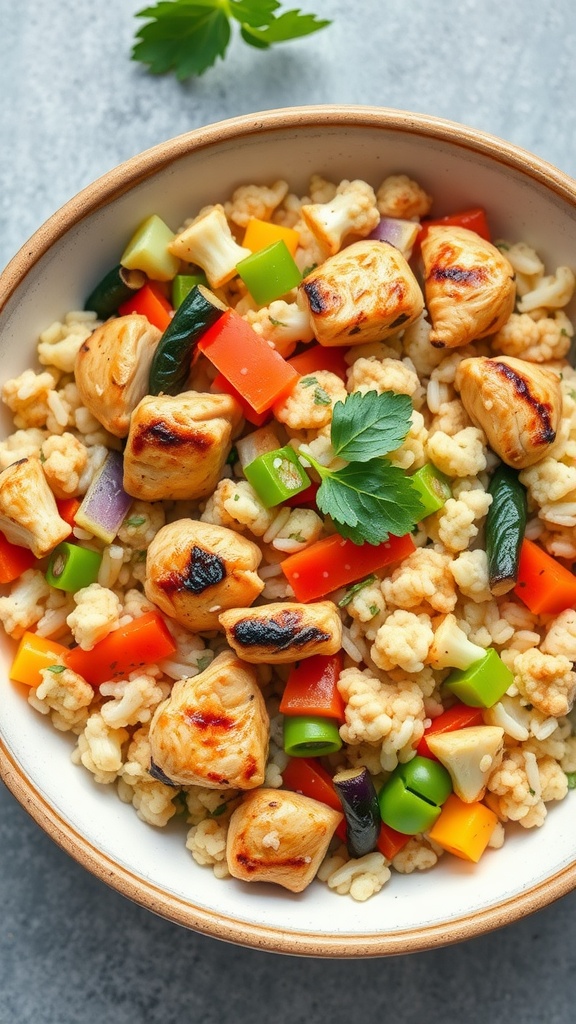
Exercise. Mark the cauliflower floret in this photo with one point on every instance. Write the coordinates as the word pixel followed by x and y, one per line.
pixel 27 397
pixel 282 324
pixel 24 605
pixel 551 292
pixel 99 749
pixel 202 803
pixel 463 454
pixel 537 341
pixel 236 503
pixel 60 343
pixel 470 571
pixel 321 190
pixel 560 636
pixel 484 624
pixel 97 613
pixel 65 696
pixel 352 211
pixel 133 700
pixel 520 786
pixel 455 524
pixel 65 459
pixel 366 603
pixel 383 375
pixel 422 578
pixel 21 445
pixel 302 527
pixel 310 403
pixel 207 844
pixel 255 201
pixel 527 265
pixel 416 345
pixel 360 877
pixel 141 524
pixel 417 855
pixel 377 711
pixel 403 641
pixel 153 800
pixel 401 196
pixel 548 481
pixel 412 452
pixel 451 418
pixel 546 681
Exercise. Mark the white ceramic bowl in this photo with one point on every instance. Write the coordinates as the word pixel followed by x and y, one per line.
pixel 526 199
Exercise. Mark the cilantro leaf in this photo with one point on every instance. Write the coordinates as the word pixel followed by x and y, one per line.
pixel 187 36
pixel 368 502
pixel 368 425
pixel 183 37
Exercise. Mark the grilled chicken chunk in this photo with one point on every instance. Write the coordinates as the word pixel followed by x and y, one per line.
pixel 469 286
pixel 364 293
pixel 112 369
pixel 213 729
pixel 28 511
pixel 517 404
pixel 196 570
pixel 284 631
pixel 281 837
pixel 178 445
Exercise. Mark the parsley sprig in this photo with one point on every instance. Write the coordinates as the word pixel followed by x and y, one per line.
pixel 369 498
pixel 188 36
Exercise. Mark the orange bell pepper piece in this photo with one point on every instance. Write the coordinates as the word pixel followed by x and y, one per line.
pixel 335 562
pixel 317 357
pixel 67 509
pixel 262 233
pixel 131 647
pixel 259 373
pixel 544 585
pixel 33 654
pixel 312 688
pixel 150 302
pixel 390 842
pixel 14 560
pixel 464 829
pixel 459 716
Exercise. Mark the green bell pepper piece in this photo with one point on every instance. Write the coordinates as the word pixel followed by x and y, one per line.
pixel 71 567
pixel 269 273
pixel 183 284
pixel 432 487
pixel 404 810
pixel 276 476
pixel 482 684
pixel 310 736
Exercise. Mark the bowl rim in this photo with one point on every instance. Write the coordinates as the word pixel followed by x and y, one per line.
pixel 100 193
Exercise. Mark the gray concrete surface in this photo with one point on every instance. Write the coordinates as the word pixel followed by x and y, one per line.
pixel 72 106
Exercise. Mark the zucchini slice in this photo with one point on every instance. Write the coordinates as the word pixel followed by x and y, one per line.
pixel 118 285
pixel 505 526
pixel 172 360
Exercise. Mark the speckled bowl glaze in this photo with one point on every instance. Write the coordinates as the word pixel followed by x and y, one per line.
pixel 526 199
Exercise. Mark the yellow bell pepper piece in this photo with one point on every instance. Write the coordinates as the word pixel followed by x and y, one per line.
pixel 261 233
pixel 464 829
pixel 35 653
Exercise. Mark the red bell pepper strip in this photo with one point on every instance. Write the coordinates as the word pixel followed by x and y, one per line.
pixel 335 562
pixel 67 509
pixel 544 585
pixel 459 716
pixel 307 776
pixel 125 650
pixel 304 499
pixel 317 357
pixel 473 219
pixel 14 560
pixel 390 842
pixel 312 688
pixel 150 302
pixel 257 371
pixel 257 418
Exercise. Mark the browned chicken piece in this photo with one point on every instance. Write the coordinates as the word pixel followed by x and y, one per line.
pixel 364 293
pixel 177 446
pixel 281 837
pixel 28 511
pixel 213 729
pixel 517 404
pixel 196 570
pixel 283 631
pixel 112 369
pixel 469 286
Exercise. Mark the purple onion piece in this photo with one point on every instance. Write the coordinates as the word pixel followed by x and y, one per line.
pixel 360 805
pixel 106 503
pixel 400 233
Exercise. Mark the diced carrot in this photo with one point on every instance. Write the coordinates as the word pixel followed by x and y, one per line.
pixel 311 688
pixel 14 560
pixel 126 649
pixel 544 585
pixel 33 654
pixel 335 562
pixel 317 357
pixel 262 233
pixel 150 302
pixel 464 829
pixel 67 509
pixel 459 716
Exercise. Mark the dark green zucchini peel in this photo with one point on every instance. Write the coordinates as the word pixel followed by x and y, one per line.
pixel 172 360
pixel 505 527
pixel 116 287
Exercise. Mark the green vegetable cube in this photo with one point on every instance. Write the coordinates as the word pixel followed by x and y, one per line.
pixel 269 273
pixel 147 250
pixel 72 567
pixel 404 810
pixel 483 683
pixel 310 736
pixel 276 476
pixel 183 284
pixel 427 778
pixel 432 487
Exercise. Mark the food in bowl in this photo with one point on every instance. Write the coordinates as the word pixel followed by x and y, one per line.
pixel 290 513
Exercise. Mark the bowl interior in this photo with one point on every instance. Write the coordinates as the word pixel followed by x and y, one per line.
pixel 526 200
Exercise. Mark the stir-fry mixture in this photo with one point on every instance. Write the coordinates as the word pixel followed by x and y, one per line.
pixel 288 527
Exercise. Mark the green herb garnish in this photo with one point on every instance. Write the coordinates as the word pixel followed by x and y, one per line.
pixel 571 776
pixel 135 521
pixel 355 589
pixel 56 669
pixel 188 36
pixel 370 424
pixel 203 661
